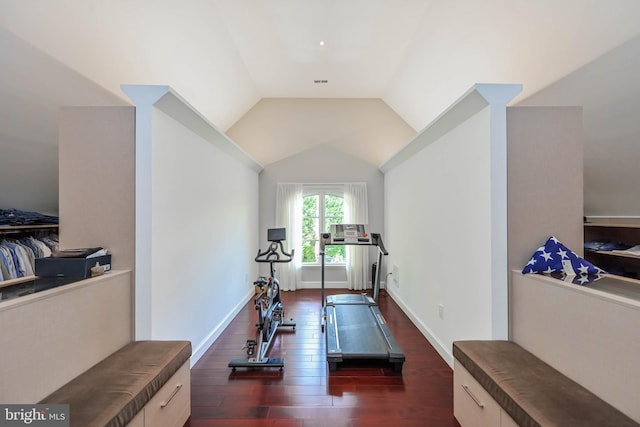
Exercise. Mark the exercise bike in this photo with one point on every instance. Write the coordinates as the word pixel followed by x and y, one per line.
pixel 268 306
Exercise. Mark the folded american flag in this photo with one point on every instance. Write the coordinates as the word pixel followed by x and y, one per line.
pixel 556 257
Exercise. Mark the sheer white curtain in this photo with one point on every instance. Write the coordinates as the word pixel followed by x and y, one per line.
pixel 356 212
pixel 289 215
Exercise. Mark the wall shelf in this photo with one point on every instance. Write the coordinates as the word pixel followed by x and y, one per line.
pixel 611 225
pixel 615 230
pixel 615 254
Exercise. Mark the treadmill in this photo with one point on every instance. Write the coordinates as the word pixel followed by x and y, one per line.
pixel 355 328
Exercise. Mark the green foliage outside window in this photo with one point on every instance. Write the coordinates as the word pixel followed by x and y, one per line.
pixel 319 212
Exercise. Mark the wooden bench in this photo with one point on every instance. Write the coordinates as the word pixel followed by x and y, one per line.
pixel 498 383
pixel 145 383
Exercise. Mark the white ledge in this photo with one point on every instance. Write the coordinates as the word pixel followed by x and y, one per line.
pixel 480 96
pixel 172 104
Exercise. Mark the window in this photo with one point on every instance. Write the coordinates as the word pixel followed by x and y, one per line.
pixel 320 209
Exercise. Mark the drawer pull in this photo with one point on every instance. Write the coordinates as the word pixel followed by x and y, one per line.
pixel 472 396
pixel 175 391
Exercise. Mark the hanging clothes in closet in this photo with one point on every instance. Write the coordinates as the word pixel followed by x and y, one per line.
pixel 17 256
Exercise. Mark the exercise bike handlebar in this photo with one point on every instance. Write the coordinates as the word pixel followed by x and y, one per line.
pixel 272 255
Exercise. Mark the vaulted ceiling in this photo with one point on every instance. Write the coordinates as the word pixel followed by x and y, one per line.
pixel 417 56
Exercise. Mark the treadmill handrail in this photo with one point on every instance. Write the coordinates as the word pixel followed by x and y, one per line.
pixel 377 240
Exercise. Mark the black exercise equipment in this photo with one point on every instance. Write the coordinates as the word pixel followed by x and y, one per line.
pixel 355 328
pixel 268 305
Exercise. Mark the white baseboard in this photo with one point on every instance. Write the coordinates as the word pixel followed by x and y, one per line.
pixel 442 349
pixel 204 345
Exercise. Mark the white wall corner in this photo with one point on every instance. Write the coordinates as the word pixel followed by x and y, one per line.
pixel 497 93
pixel 145 95
pixel 497 96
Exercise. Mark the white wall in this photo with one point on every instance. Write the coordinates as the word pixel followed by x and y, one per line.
pixel 437 211
pixel 196 222
pixel 204 230
pixel 445 215
pixel 322 164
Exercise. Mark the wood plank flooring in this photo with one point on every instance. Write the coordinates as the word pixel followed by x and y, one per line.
pixel 306 393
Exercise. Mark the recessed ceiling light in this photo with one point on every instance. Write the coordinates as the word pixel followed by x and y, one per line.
pixel 321 42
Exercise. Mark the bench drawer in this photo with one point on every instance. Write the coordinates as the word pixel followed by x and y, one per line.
pixel 472 405
pixel 171 405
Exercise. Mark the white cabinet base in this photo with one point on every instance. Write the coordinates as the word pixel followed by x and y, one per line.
pixel 473 406
pixel 171 405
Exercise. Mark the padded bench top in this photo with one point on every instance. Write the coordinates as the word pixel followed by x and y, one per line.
pixel 531 391
pixel 113 391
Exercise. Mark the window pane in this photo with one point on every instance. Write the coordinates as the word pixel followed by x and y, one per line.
pixel 335 254
pixel 310 206
pixel 331 220
pixel 319 212
pixel 333 211
pixel 309 252
pixel 310 228
pixel 333 206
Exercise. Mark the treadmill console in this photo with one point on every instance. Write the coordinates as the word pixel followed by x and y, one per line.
pixel 348 234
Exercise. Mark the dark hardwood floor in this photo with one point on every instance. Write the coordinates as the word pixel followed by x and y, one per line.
pixel 306 393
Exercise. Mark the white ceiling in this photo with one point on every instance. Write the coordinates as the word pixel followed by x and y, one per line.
pixel 355 46
pixel 418 56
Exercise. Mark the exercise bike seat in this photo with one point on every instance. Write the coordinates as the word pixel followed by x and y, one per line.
pixel 261 281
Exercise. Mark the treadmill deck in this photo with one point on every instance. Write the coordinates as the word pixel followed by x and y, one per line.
pixel 359 331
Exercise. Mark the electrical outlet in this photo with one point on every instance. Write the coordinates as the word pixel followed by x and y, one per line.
pixel 441 311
